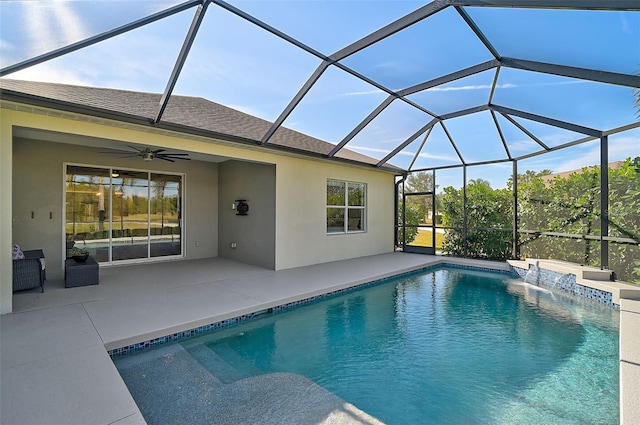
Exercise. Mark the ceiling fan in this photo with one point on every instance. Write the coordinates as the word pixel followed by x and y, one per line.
pixel 149 155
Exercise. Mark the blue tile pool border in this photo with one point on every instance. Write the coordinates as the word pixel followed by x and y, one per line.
pixel 200 330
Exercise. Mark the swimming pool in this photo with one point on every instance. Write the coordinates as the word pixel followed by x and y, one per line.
pixel 444 346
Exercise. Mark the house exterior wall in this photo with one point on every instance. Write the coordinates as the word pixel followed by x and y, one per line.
pixel 300 191
pixel 6 147
pixel 38 183
pixel 253 234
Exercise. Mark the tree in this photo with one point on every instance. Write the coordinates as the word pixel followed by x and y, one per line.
pixel 413 217
pixel 572 205
pixel 479 181
pixel 488 214
pixel 420 182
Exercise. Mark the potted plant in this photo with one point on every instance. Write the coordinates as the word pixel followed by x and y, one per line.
pixel 79 254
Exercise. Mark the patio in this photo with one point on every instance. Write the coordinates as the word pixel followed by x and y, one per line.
pixel 55 366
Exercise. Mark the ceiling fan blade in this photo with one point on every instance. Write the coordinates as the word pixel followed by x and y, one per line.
pixel 175 154
pixel 136 149
pixel 116 151
pixel 164 158
pixel 174 157
pixel 157 151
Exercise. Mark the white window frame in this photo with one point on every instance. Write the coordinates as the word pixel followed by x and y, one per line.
pixel 346 208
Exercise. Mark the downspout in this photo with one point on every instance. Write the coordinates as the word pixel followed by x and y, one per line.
pixel 395 213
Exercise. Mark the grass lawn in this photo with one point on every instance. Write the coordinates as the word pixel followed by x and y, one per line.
pixel 424 238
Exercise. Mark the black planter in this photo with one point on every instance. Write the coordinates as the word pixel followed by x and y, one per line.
pixel 80 258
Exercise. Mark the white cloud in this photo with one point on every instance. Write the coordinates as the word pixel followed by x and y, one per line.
pixel 53 25
pixel 362 93
pixel 625 24
pixel 405 153
pixel 622 147
pixel 523 145
pixel 472 87
pixel 390 66
pixel 368 149
pixel 439 157
pixel 50 73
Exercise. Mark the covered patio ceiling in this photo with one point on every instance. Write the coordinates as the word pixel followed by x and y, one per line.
pixel 413 85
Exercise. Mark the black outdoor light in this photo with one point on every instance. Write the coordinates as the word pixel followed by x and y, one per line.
pixel 242 207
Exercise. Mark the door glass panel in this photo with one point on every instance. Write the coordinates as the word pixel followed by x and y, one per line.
pixel 419 219
pixel 165 215
pixel 130 215
pixel 87 209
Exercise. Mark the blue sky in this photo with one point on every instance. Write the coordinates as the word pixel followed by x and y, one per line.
pixel 237 64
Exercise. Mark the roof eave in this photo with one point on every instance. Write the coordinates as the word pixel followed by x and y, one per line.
pixel 70 107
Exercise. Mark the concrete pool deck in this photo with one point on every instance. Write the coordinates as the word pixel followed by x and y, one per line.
pixel 54 365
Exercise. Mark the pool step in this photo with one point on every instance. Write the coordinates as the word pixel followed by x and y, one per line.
pixel 151 378
pixel 223 362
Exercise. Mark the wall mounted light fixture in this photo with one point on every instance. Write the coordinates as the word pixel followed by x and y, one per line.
pixel 242 207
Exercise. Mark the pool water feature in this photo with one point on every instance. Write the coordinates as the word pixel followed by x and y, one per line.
pixel 447 346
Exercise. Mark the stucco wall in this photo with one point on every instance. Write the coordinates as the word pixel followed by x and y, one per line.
pixel 253 234
pixel 38 184
pixel 6 146
pixel 301 216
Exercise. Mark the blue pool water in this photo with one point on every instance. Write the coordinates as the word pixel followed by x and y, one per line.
pixel 442 347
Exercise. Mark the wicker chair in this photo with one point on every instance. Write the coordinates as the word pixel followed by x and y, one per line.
pixel 29 272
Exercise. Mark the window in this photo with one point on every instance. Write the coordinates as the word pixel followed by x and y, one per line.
pixel 345 207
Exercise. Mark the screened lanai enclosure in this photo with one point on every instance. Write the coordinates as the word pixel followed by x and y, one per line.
pixel 512 125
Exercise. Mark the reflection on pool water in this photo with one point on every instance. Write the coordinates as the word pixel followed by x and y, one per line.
pixel 448 346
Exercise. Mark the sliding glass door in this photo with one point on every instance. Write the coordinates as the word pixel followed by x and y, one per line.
pixel 120 215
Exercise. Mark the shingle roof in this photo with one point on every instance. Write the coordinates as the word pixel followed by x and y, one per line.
pixel 186 112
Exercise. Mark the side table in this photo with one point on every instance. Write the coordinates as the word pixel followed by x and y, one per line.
pixel 81 274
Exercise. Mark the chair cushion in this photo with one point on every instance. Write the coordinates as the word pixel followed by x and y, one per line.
pixel 17 253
